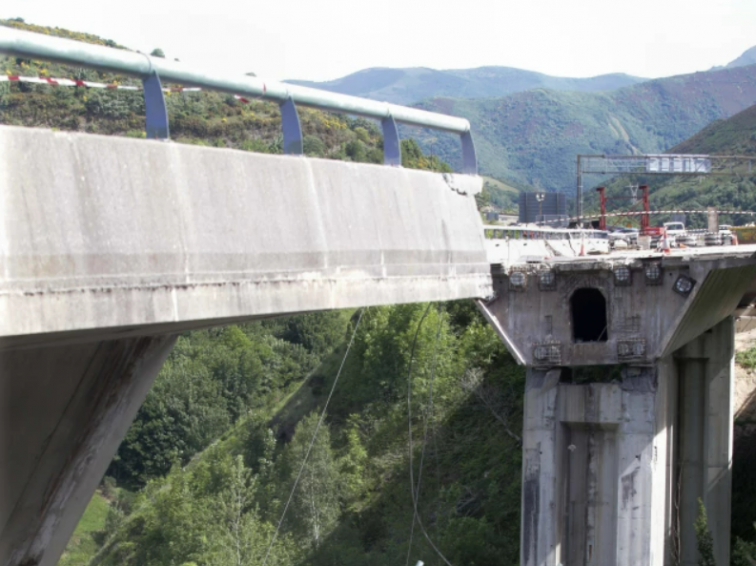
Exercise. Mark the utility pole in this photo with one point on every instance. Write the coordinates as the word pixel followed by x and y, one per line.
pixel 579 200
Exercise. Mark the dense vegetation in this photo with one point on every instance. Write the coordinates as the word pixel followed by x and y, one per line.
pixel 353 504
pixel 533 137
pixel 737 191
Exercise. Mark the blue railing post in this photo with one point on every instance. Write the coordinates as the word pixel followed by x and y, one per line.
pixel 292 128
pixel 469 160
pixel 392 147
pixel 156 114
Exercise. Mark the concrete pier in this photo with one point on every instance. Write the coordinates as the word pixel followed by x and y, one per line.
pixel 628 404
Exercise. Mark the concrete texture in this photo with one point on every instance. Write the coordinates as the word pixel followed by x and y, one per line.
pixel 64 411
pixel 109 246
pixel 706 373
pixel 612 472
pixel 644 323
pixel 613 468
pixel 593 483
pixel 103 232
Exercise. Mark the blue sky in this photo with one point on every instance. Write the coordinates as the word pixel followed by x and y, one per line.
pixel 325 39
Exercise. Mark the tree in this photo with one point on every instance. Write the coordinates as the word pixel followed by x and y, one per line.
pixel 315 507
pixel 237 537
pixel 704 540
pixel 157 52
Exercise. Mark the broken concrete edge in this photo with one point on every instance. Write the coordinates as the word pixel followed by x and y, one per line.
pixel 494 322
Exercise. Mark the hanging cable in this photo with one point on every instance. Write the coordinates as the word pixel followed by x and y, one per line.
pixel 312 441
pixel 415 494
pixel 425 432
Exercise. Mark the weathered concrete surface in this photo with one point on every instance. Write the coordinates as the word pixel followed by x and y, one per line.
pixel 63 413
pixel 644 323
pixel 612 470
pixel 706 374
pixel 109 246
pixel 594 485
pixel 102 232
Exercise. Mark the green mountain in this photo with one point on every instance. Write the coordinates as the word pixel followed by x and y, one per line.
pixel 730 191
pixel 533 137
pixel 410 85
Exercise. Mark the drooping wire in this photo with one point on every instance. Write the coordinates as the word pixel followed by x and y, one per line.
pixel 416 491
pixel 312 441
pixel 425 432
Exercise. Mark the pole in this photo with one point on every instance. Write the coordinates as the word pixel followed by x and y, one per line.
pixel 646 209
pixel 602 200
pixel 579 199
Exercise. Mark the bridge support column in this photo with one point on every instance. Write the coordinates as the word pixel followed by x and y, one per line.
pixel 613 468
pixel 64 410
pixel 705 367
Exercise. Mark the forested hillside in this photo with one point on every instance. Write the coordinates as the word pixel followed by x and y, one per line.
pixel 414 84
pixel 734 136
pixel 353 505
pixel 533 137
pixel 203 118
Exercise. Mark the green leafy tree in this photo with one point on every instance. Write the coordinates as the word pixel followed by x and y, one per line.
pixel 704 540
pixel 353 464
pixel 157 52
pixel 315 507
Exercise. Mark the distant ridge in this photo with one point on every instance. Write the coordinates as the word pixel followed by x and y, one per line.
pixel 732 136
pixel 532 137
pixel 747 58
pixel 410 85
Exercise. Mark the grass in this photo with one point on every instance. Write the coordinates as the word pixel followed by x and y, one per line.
pixel 83 546
pixel 747 358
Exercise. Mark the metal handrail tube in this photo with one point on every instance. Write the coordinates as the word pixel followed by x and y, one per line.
pixel 30 45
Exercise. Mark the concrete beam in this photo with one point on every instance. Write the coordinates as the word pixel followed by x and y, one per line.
pixel 65 410
pixel 706 370
pixel 142 236
pixel 641 321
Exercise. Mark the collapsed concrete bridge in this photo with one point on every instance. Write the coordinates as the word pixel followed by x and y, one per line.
pixel 109 247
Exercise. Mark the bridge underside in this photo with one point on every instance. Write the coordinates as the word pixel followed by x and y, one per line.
pixel 110 246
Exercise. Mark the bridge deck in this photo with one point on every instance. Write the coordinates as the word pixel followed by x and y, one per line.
pixel 148 237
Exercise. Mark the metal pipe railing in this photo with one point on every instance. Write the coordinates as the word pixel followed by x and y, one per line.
pixel 152 70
